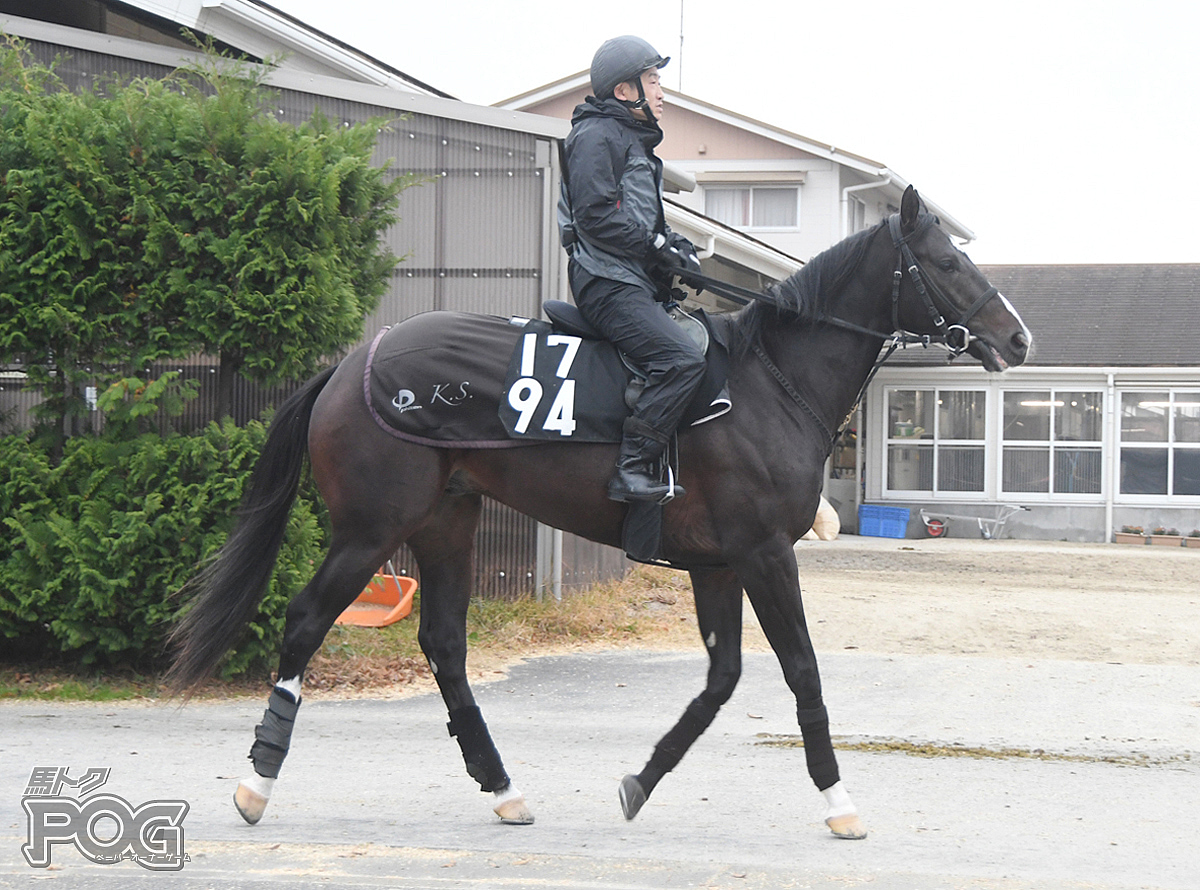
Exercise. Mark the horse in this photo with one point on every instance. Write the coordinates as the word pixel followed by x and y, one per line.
pixel 799 361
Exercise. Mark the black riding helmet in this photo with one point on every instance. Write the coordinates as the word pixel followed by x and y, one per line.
pixel 623 59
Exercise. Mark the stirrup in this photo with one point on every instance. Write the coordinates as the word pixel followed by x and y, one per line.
pixel 673 490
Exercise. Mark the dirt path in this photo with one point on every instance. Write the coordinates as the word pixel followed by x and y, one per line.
pixel 1037 600
pixel 1016 599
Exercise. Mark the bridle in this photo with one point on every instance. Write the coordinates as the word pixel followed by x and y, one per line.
pixel 956 338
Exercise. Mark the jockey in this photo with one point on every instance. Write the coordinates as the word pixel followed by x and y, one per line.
pixel 623 256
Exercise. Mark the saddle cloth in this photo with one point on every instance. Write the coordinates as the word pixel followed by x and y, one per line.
pixel 458 380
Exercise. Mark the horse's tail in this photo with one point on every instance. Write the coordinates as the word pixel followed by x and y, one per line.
pixel 224 595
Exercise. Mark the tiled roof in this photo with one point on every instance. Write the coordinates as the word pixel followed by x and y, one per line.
pixel 1137 315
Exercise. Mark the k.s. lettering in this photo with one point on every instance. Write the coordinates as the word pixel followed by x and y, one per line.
pixel 448 394
pixel 452 394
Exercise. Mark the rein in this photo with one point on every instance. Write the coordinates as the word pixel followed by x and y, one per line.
pixel 956 338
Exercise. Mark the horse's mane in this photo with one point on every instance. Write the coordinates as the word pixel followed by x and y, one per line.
pixel 805 296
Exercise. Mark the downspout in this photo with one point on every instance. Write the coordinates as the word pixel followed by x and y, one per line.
pixel 860 476
pixel 556 565
pixel 1110 447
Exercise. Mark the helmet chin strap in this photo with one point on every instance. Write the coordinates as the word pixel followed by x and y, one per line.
pixel 641 104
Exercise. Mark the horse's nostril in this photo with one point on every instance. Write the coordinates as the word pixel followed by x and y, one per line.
pixel 1020 342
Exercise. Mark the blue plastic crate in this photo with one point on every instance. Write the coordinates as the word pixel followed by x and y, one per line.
pixel 882 522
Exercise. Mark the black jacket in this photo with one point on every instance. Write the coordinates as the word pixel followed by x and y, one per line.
pixel 610 208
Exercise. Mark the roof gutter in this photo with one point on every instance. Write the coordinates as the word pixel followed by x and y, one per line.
pixel 888 177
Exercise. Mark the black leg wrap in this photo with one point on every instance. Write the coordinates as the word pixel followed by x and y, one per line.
pixel 818 753
pixel 670 750
pixel 273 736
pixel 479 753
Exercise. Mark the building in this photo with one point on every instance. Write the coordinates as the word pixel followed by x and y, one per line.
pixel 1098 430
pixel 797 194
pixel 479 235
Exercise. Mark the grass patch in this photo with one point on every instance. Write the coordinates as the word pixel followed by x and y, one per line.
pixel 56 684
pixel 650 607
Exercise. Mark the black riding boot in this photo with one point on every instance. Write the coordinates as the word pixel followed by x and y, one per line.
pixel 637 477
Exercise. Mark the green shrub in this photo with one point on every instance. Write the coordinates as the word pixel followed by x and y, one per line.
pixel 95 547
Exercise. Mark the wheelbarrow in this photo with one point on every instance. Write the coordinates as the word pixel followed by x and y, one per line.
pixel 384 601
pixel 989 526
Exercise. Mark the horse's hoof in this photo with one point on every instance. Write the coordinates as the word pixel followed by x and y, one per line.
pixel 514 812
pixel 250 804
pixel 848 827
pixel 632 796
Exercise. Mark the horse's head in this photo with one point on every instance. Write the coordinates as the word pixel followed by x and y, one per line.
pixel 944 294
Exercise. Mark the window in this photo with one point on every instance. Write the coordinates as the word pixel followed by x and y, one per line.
pixel 856 215
pixel 754 207
pixel 1160 443
pixel 1052 442
pixel 936 440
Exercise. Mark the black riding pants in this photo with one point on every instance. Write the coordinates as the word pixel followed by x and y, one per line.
pixel 630 317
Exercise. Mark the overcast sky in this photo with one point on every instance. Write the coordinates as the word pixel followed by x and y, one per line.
pixel 1059 131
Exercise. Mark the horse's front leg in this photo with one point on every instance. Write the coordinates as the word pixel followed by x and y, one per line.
pixel 769 575
pixel 719 612
pixel 443 550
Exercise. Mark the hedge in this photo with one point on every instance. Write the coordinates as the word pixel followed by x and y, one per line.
pixel 95 547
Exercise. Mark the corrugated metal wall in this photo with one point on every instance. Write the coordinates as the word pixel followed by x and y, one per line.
pixel 472 238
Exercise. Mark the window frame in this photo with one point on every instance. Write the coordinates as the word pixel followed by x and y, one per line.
pixel 1052 444
pixel 751 187
pixel 1176 395
pixel 937 442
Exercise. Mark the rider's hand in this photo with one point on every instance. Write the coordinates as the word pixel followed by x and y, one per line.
pixel 687 250
pixel 674 256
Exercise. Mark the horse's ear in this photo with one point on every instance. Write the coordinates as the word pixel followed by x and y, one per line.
pixel 910 207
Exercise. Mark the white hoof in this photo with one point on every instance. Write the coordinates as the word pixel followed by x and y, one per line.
pixel 847 827
pixel 250 804
pixel 842 816
pixel 251 797
pixel 510 807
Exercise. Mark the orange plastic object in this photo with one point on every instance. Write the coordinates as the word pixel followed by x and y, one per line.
pixel 386 600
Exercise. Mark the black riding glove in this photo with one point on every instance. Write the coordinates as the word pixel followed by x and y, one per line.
pixel 674 255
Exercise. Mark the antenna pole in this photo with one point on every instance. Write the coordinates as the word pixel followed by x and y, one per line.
pixel 681 46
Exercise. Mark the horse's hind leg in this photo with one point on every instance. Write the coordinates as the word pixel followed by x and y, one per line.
pixel 719 612
pixel 347 569
pixel 443 549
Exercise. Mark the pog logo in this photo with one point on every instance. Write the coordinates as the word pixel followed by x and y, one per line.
pixel 104 828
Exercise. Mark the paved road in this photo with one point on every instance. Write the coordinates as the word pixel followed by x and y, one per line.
pixel 373 794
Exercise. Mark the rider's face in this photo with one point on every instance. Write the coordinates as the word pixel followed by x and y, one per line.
pixel 651 86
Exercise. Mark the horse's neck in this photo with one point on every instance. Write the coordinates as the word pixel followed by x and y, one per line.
pixel 828 364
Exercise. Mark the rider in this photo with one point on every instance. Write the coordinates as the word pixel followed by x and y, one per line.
pixel 623 256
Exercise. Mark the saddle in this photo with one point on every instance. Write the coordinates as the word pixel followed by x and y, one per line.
pixel 459 380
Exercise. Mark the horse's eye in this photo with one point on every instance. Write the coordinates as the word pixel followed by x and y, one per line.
pixel 947 265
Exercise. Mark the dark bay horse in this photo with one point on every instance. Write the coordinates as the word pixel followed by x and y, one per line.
pixel 753 479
